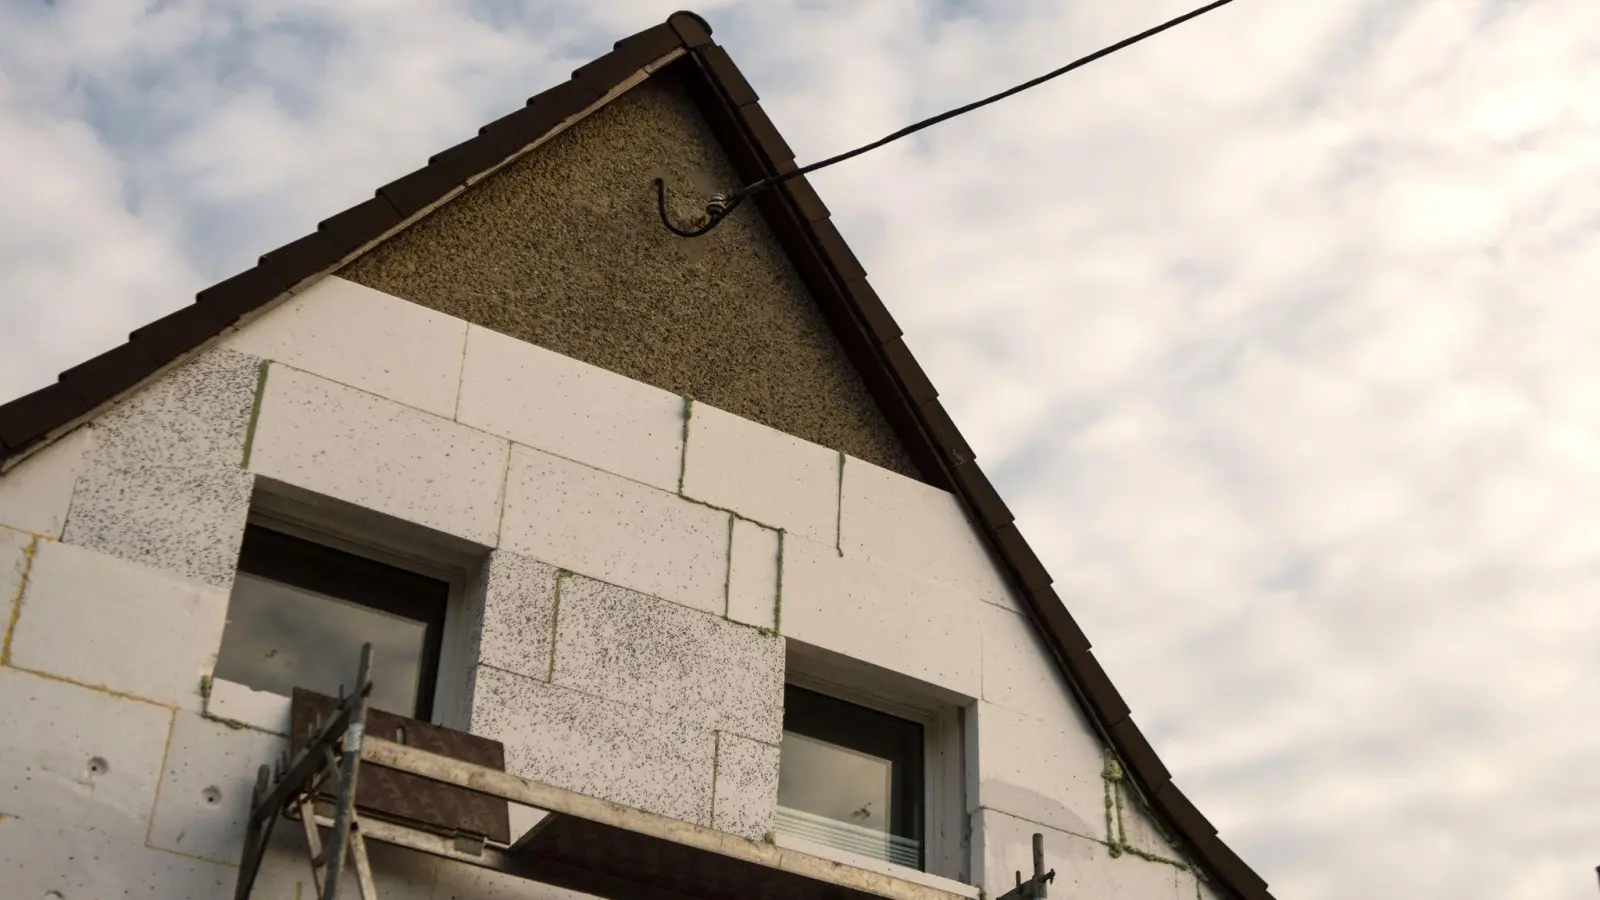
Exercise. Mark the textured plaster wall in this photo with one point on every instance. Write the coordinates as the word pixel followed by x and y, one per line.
pixel 564 249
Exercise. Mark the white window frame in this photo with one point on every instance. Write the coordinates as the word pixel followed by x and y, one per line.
pixel 395 542
pixel 946 830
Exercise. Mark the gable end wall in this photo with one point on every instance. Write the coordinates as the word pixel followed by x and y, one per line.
pixel 564 249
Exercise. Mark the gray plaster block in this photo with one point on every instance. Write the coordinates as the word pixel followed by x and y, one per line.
pixel 644 651
pixel 513 611
pixel 206 785
pixel 74 756
pixel 162 484
pixel 58 861
pixel 746 787
pixel 597 747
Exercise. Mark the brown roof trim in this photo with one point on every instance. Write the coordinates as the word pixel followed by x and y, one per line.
pixel 801 222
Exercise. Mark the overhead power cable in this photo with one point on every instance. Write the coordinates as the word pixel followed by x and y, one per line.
pixel 722 205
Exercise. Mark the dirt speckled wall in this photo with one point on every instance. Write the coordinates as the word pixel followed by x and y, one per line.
pixel 563 249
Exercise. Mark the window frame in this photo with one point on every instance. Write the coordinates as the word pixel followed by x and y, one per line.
pixel 277 554
pixel 946 845
pixel 900 740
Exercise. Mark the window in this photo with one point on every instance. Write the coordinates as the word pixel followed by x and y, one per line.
pixel 300 612
pixel 851 778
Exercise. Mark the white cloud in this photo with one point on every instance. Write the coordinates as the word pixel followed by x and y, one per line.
pixel 1277 332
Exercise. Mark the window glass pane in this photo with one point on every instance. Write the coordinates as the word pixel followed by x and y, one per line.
pixel 836 782
pixel 279 637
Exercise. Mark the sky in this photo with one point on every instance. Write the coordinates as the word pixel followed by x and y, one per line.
pixel 1275 332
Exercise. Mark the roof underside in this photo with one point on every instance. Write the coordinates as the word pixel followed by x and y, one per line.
pixel 800 222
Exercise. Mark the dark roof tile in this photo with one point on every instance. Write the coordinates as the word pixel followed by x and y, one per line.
pixel 245 292
pixel 29 418
pixel 974 486
pixel 905 367
pixel 605 73
pixel 774 149
pixel 313 253
pixel 1024 563
pixel 805 199
pixel 1171 801
pixel 521 128
pixel 1103 698
pixel 109 374
pixel 650 44
pixel 175 334
pixel 943 430
pixel 1228 864
pixel 735 88
pixel 411 193
pixel 691 29
pixel 1137 754
pixel 834 247
pixel 360 223
pixel 468 158
pixel 882 325
pixel 1059 625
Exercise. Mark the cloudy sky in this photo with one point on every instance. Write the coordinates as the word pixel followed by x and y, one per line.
pixel 1278 332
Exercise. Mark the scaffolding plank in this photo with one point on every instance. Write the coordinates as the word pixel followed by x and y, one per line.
pixel 618 852
pixel 383 792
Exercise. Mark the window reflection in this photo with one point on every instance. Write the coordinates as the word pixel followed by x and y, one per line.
pixel 850 778
pixel 836 782
pixel 279 637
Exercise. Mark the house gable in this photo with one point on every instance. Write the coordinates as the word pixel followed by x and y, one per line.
pixel 797 222
pixel 563 249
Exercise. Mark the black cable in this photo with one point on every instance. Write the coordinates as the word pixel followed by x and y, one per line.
pixel 721 207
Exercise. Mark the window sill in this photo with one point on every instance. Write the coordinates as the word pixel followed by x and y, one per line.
pixel 915 876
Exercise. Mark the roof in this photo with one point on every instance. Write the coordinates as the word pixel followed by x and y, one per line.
pixel 800 222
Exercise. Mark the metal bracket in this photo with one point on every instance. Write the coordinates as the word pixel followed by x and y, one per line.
pixel 1034 888
pixel 469 843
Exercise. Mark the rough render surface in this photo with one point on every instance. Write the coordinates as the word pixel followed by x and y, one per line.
pixel 624 646
pixel 626 754
pixel 746 801
pixel 162 483
pixel 563 249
